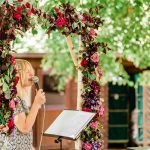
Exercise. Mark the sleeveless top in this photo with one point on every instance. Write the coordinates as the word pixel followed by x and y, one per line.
pixel 17 140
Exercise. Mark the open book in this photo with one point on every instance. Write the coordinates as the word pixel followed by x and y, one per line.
pixel 69 124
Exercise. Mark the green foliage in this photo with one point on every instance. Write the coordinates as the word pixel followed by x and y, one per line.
pixel 126 30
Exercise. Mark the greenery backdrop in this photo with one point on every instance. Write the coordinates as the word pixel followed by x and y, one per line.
pixel 126 30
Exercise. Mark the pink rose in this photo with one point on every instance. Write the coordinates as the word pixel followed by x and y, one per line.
pixel 93 33
pixel 12 104
pixel 101 111
pixel 17 16
pixel 95 57
pixel 94 125
pixel 29 13
pixel 20 0
pixel 87 146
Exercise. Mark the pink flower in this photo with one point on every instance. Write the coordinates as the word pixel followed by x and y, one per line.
pixel 101 111
pixel 11 123
pixel 20 0
pixel 12 104
pixel 84 63
pixel 94 125
pixel 29 13
pixel 17 16
pixel 95 57
pixel 56 10
pixel 87 146
pixel 84 20
pixel 93 33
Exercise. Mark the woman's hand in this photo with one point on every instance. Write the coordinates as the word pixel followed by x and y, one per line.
pixel 39 98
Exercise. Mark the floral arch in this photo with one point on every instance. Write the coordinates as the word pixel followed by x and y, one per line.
pixel 16 18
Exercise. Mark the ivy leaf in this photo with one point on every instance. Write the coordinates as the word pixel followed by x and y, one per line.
pixel 5 87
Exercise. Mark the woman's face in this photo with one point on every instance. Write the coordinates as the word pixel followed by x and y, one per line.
pixel 28 74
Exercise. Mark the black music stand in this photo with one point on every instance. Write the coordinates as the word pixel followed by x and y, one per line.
pixel 68 125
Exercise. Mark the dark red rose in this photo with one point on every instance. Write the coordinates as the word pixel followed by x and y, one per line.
pixel 19 10
pixel 0 104
pixel 11 123
pixel 20 0
pixel 17 16
pixel 84 63
pixel 16 80
pixel 23 6
pixel 90 19
pixel 28 5
pixel 56 10
pixel 60 22
pixel 33 10
pixel 86 109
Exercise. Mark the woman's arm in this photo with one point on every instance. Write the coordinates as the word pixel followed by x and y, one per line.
pixel 25 123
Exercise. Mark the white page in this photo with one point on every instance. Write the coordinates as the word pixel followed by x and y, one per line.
pixel 69 123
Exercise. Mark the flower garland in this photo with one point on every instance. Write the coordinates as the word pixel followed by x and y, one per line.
pixel 17 17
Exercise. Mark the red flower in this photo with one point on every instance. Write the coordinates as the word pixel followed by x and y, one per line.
pixel 23 6
pixel 11 123
pixel 33 10
pixel 84 63
pixel 0 104
pixel 12 59
pixel 90 19
pixel 16 80
pixel 86 109
pixel 20 0
pixel 19 10
pixel 60 14
pixel 60 21
pixel 28 5
pixel 29 13
pixel 56 10
pixel 17 15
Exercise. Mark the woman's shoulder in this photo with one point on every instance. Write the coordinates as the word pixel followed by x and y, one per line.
pixel 20 105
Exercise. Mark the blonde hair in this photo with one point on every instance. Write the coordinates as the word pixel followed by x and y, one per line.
pixel 22 66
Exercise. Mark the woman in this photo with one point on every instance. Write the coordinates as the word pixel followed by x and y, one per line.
pixel 21 137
